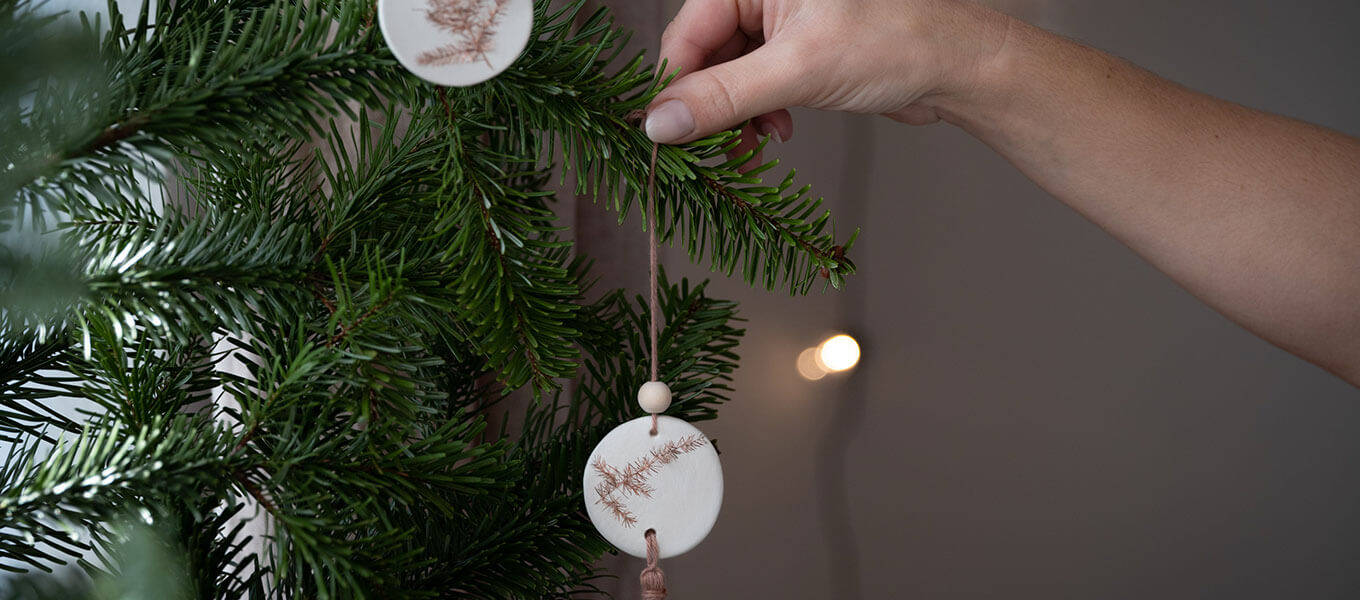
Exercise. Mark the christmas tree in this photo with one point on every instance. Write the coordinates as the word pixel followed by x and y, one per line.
pixel 279 284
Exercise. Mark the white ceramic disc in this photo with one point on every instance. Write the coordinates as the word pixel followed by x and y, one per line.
pixel 456 42
pixel 671 482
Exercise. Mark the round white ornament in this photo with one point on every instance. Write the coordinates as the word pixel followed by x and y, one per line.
pixel 456 42
pixel 670 482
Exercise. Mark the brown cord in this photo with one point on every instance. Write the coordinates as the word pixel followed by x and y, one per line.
pixel 653 306
pixel 653 580
pixel 651 255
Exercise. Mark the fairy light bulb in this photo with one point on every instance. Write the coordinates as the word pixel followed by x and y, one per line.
pixel 808 367
pixel 838 353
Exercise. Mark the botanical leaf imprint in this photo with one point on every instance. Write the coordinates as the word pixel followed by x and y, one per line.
pixel 617 484
pixel 473 22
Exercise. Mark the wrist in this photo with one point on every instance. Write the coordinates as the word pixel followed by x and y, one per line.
pixel 987 60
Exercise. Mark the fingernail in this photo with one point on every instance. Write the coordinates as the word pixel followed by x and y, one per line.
pixel 769 130
pixel 669 122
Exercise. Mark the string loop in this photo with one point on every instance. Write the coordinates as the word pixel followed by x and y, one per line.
pixel 652 578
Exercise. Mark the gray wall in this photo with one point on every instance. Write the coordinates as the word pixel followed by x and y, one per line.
pixel 1039 414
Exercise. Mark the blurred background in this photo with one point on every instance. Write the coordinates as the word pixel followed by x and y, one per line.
pixel 1038 413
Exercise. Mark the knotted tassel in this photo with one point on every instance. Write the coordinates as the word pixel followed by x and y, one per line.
pixel 653 580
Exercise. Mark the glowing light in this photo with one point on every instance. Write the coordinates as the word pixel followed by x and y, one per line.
pixel 838 353
pixel 808 367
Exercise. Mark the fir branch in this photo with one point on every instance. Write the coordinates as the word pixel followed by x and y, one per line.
pixel 520 314
pixel 109 137
pixel 378 291
pixel 697 342
pixel 30 377
pixel 218 554
pixel 87 480
pixel 171 89
pixel 521 545
pixel 566 86
pixel 140 382
pixel 358 321
pixel 673 449
pixel 251 487
pixel 193 275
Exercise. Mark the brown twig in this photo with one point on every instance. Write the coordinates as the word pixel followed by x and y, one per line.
pixel 831 255
pixel 835 255
pixel 114 133
pixel 346 329
pixel 245 439
pixel 534 364
pixel 102 222
pixel 316 291
pixel 255 492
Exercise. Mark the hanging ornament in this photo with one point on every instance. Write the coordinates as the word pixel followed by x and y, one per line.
pixel 654 485
pixel 669 483
pixel 456 42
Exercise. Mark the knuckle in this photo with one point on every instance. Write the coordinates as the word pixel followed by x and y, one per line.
pixel 668 36
pixel 722 94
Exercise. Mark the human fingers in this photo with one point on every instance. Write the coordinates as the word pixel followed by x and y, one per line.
pixel 700 29
pixel 778 124
pixel 749 140
pixel 723 95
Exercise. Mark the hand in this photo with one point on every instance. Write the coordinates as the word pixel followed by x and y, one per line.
pixel 753 59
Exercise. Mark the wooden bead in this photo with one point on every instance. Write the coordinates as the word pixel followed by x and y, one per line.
pixel 654 397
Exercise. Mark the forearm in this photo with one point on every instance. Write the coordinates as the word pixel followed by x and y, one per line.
pixel 1258 215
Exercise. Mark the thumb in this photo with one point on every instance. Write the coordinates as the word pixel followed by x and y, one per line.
pixel 724 95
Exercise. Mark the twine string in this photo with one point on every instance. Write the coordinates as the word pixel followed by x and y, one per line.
pixel 652 578
pixel 653 305
pixel 651 257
